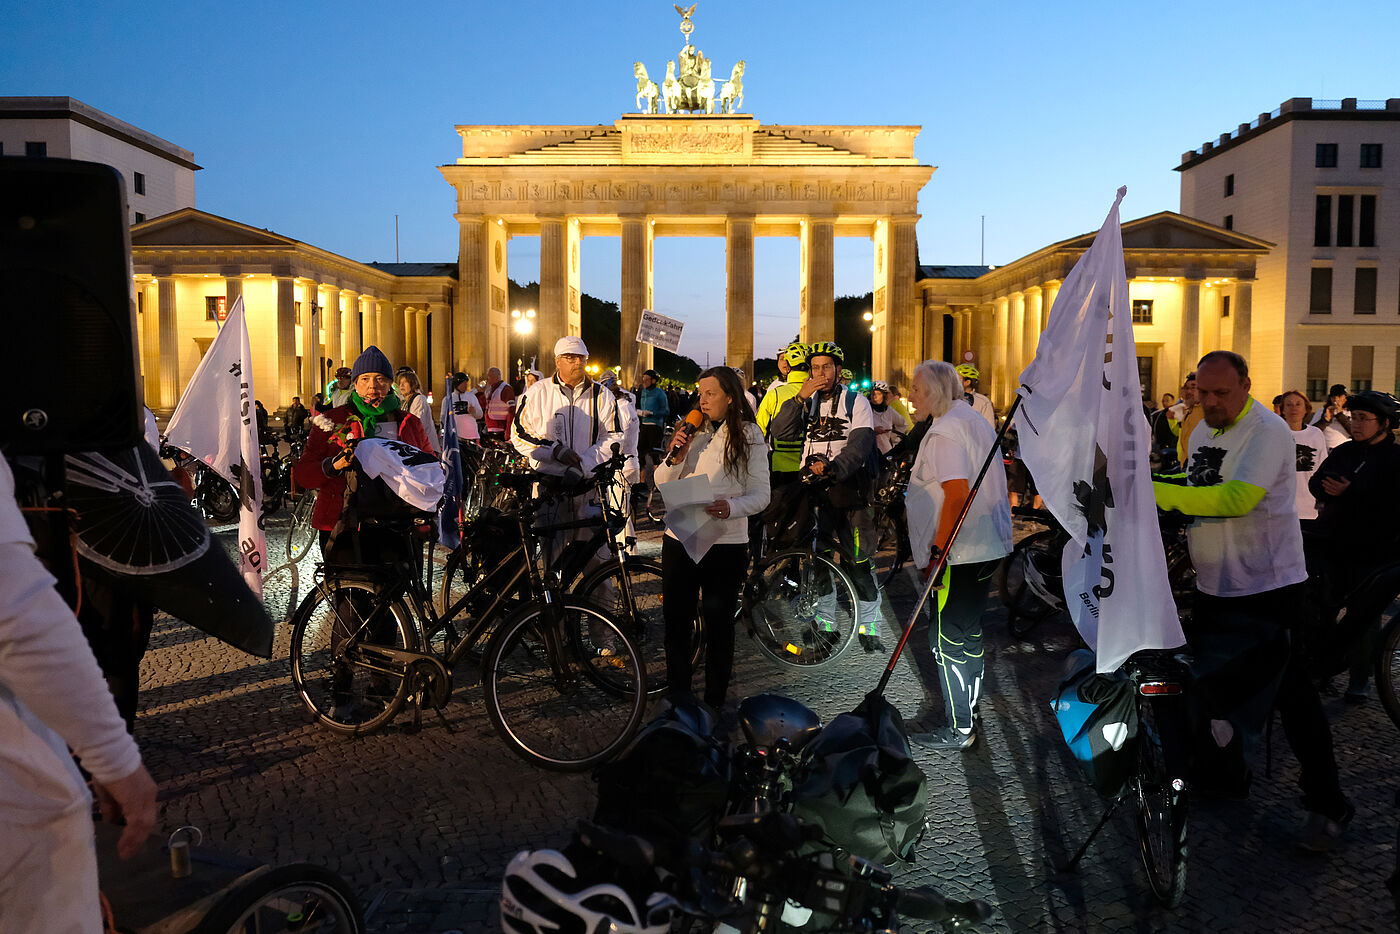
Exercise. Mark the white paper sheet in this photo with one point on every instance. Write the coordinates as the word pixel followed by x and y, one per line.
pixel 690 491
pixel 696 529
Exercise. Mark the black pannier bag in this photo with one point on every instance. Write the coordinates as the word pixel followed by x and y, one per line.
pixel 1097 715
pixel 670 783
pixel 861 786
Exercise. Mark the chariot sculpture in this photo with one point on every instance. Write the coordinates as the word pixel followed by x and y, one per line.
pixel 691 86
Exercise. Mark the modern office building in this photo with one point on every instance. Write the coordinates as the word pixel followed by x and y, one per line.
pixel 159 175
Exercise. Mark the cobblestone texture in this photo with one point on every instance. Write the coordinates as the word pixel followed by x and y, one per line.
pixel 422 825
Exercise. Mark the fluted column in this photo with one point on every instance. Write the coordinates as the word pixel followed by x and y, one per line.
pixel 423 354
pixel 352 347
pixel 409 357
pixel 1242 316
pixel 981 334
pixel 818 260
pixel 959 335
pixel 1052 289
pixel 287 340
pixel 1015 338
pixel 933 332
pixel 1031 337
pixel 1001 360
pixel 369 322
pixel 903 352
pixel 233 288
pixel 170 386
pixel 1190 325
pixel 553 316
pixel 150 343
pixel 440 362
pixel 633 356
pixel 738 319
pixel 310 338
pixel 471 311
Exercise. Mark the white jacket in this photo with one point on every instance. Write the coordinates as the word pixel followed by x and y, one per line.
pixel 746 495
pixel 419 406
pixel 631 429
pixel 52 695
pixel 549 417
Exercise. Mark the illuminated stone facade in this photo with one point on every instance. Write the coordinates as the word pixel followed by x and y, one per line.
pixel 648 176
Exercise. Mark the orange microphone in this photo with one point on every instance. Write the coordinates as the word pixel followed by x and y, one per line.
pixel 693 420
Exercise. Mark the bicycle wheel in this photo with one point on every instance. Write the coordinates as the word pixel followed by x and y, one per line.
pixel 579 718
pixel 342 680
pixel 219 499
pixel 299 897
pixel 802 609
pixel 1027 607
pixel 641 617
pixel 1388 663
pixel 302 533
pixel 1160 790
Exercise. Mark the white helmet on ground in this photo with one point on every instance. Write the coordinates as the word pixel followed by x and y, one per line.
pixel 543 894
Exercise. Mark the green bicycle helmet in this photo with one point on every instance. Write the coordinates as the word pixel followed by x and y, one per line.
pixel 826 349
pixel 796 355
pixel 968 371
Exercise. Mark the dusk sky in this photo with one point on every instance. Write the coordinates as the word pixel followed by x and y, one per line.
pixel 322 120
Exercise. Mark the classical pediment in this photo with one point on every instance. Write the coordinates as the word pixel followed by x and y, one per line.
pixel 191 227
pixel 1169 231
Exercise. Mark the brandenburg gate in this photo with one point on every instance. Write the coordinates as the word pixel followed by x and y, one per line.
pixel 652 175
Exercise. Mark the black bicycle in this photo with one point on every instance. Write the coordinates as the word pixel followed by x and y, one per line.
pixel 1157 785
pixel 564 684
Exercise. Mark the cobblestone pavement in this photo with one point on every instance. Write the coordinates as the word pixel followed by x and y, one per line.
pixel 422 825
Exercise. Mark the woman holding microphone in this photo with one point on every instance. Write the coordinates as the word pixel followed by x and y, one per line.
pixel 728 448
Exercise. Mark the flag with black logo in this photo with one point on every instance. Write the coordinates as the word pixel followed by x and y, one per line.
pixel 1084 438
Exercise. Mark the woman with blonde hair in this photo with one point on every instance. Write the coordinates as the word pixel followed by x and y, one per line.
pixel 1311 445
pixel 949 459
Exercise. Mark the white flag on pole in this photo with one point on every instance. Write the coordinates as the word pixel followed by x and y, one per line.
pixel 215 423
pixel 1084 438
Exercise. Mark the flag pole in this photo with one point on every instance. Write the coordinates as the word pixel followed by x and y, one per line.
pixel 942 563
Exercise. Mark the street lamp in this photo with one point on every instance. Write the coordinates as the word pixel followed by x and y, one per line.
pixel 524 324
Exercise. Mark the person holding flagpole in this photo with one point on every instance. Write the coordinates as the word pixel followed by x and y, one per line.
pixel 1247 548
pixel 948 460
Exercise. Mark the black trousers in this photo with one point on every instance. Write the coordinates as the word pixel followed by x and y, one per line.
pixel 711 586
pixel 1246 664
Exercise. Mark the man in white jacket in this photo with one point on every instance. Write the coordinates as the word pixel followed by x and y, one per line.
pixel 52 697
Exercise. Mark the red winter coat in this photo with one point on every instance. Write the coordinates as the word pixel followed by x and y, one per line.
pixel 310 471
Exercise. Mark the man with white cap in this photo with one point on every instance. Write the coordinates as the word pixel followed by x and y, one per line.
pixel 567 420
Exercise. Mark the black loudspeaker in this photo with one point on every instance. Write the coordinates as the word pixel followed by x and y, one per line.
pixel 67 321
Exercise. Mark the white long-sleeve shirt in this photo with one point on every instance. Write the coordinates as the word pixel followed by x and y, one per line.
pixel 52 694
pixel 420 407
pixel 747 495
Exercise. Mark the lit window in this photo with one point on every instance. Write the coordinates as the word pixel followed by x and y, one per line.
pixel 1142 311
pixel 214 307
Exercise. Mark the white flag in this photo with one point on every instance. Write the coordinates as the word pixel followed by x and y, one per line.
pixel 215 422
pixel 1084 438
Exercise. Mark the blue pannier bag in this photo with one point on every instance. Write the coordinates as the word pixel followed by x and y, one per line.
pixel 1097 715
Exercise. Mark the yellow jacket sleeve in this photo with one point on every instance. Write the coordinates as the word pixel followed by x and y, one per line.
pixel 1232 498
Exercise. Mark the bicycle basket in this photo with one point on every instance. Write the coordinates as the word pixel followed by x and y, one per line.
pixel 1097 715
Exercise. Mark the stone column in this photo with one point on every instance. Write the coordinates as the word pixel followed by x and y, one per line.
pixel 633 356
pixel 1015 338
pixel 393 332
pixel 369 322
pixel 959 335
pixel 818 260
pixel 335 325
pixel 170 386
pixel 409 316
pixel 150 344
pixel 902 354
pixel 1052 289
pixel 1242 314
pixel 309 348
pixel 471 312
pixel 738 320
pixel 552 321
pixel 1033 325
pixel 423 354
pixel 573 259
pixel 981 343
pixel 1190 326
pixel 353 338
pixel 933 335
pixel 1000 359
pixel 287 340
pixel 440 362
pixel 233 287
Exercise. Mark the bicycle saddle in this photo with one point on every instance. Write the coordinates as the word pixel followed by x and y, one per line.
pixel 769 718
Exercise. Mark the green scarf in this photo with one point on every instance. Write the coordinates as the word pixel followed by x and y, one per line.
pixel 370 415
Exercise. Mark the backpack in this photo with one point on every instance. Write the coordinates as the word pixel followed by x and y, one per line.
pixel 855 491
pixel 1097 715
pixel 670 783
pixel 861 786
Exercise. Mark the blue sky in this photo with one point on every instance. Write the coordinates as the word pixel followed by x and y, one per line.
pixel 323 120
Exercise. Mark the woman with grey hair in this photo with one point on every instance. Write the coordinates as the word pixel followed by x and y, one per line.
pixel 415 402
pixel 949 459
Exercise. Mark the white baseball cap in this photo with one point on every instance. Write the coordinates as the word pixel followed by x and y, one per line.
pixel 570 344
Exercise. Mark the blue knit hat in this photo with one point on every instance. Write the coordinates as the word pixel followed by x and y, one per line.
pixel 372 361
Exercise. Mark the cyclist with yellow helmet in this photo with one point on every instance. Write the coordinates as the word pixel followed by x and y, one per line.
pixel 838 431
pixel 786 459
pixel 980 403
